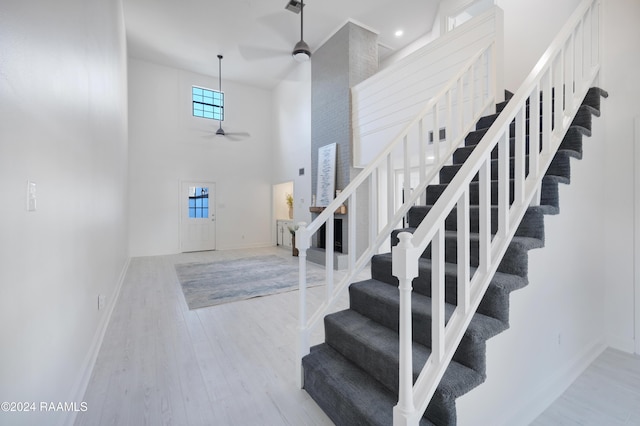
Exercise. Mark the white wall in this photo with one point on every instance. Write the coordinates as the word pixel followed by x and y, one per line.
pixel 386 103
pixel 580 295
pixel 292 137
pixel 63 106
pixel 620 78
pixel 557 322
pixel 529 28
pixel 168 145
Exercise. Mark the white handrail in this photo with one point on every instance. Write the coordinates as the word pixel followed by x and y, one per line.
pixel 568 67
pixel 473 89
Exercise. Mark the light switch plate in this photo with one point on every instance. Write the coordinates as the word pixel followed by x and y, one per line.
pixel 31 196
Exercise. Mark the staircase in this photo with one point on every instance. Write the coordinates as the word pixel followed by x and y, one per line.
pixel 354 375
pixel 414 337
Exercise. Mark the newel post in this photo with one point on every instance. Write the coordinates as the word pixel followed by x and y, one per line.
pixel 405 268
pixel 304 241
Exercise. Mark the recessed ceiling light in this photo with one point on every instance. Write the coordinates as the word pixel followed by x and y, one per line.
pixel 399 33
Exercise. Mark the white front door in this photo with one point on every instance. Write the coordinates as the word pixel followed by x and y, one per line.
pixel 197 216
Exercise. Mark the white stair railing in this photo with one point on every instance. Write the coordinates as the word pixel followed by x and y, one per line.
pixel 558 82
pixel 457 107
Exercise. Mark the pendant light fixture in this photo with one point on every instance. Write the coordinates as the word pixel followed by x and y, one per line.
pixel 301 51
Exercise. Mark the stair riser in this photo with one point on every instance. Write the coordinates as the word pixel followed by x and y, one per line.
pixel 470 353
pixel 495 303
pixel 582 119
pixel 447 173
pixel 324 375
pixel 461 154
pixel 487 121
pixel 593 99
pixel 549 193
pixel 572 143
pixel 513 262
pixel 532 224
pixel 560 166
pixel 381 365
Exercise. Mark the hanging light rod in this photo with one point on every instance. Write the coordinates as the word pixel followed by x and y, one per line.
pixel 220 131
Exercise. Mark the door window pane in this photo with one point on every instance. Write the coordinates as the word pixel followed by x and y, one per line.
pixel 198 202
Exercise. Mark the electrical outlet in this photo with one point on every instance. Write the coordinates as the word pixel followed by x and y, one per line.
pixel 101 301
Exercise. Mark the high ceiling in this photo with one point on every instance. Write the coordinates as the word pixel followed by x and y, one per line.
pixel 256 37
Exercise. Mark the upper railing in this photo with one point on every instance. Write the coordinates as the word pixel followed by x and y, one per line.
pixel 393 182
pixel 542 108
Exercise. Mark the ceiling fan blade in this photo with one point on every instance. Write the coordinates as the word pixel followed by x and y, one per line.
pixel 280 23
pixel 236 136
pixel 217 133
pixel 244 134
pixel 257 53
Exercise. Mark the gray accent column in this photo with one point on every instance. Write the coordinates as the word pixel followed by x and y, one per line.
pixel 346 59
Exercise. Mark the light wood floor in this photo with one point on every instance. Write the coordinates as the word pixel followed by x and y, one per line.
pixel 606 394
pixel 233 364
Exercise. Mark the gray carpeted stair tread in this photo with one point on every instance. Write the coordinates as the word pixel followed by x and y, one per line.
pixel 508 282
pixel 592 99
pixel 548 192
pixel 474 137
pixel 507 97
pixel 527 243
pixel 572 142
pixel 583 119
pixel 379 302
pixel 347 394
pixel 374 348
pixel 531 225
pixel 461 154
pixel 571 146
pixel 515 260
pixel 559 167
pixel 486 121
pixel 482 327
pixel 494 304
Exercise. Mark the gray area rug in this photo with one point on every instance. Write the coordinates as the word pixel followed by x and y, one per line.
pixel 214 283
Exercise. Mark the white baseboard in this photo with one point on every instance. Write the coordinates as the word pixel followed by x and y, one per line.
pixel 555 385
pixel 622 344
pixel 245 246
pixel 78 392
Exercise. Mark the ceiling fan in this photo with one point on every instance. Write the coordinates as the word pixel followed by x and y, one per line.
pixel 301 51
pixel 220 131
